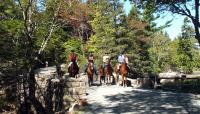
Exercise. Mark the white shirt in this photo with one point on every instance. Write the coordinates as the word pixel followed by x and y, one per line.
pixel 106 59
pixel 121 59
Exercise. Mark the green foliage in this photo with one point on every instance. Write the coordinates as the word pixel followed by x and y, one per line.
pixel 76 45
pixel 139 37
pixel 159 53
pixel 105 24
pixel 185 57
pixel 180 7
pixel 184 51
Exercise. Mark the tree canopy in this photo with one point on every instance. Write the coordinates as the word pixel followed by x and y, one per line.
pixel 187 8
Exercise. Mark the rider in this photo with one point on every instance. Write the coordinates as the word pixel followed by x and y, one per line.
pixel 121 59
pixel 73 58
pixel 106 60
pixel 90 59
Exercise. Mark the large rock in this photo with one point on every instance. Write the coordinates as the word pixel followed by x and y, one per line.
pixel 173 75
pixel 143 83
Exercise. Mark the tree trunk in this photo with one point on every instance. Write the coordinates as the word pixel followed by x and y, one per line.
pixel 196 21
pixel 31 83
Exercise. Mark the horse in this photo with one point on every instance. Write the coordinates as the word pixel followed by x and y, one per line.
pixel 123 70
pixel 73 70
pixel 90 73
pixel 101 74
pixel 108 73
pixel 105 74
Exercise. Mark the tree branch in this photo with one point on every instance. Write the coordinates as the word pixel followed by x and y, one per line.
pixel 179 10
pixel 187 10
pixel 45 41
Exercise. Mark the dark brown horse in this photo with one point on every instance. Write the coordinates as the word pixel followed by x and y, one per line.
pixel 90 73
pixel 123 70
pixel 73 70
pixel 108 70
pixel 101 74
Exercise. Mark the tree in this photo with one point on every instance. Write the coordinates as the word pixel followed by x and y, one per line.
pixel 75 16
pixel 185 46
pixel 138 42
pixel 159 53
pixel 105 24
pixel 181 7
pixel 37 28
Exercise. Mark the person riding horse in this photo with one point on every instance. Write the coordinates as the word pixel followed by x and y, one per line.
pixel 107 68
pixel 106 60
pixel 90 59
pixel 122 68
pixel 73 58
pixel 122 59
pixel 73 67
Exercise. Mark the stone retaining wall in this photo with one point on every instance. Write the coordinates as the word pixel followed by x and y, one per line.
pixel 76 88
pixel 52 90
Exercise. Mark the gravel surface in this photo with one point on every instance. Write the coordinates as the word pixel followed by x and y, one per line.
pixel 119 100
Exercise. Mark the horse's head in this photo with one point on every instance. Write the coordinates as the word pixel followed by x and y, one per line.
pixel 90 67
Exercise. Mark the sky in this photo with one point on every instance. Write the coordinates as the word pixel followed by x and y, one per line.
pixel 174 30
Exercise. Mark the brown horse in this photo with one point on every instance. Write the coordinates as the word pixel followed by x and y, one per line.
pixel 101 74
pixel 124 72
pixel 108 73
pixel 105 74
pixel 90 73
pixel 73 70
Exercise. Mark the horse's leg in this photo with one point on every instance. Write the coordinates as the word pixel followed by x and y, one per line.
pixel 126 82
pixel 106 79
pixel 122 80
pixel 108 76
pixel 110 79
pixel 92 79
pixel 88 81
pixel 100 78
pixel 117 77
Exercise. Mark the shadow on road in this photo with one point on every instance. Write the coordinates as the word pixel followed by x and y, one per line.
pixel 147 102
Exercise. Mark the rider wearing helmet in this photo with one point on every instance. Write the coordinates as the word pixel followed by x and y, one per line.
pixel 90 59
pixel 72 58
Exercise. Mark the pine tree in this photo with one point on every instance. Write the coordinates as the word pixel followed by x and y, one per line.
pixel 106 26
pixel 185 56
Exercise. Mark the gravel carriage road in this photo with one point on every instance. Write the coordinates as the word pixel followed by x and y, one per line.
pixel 119 100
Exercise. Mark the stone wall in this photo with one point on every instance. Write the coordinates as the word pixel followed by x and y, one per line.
pixel 76 88
pixel 53 90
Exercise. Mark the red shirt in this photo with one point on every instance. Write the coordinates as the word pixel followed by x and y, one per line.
pixel 73 57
